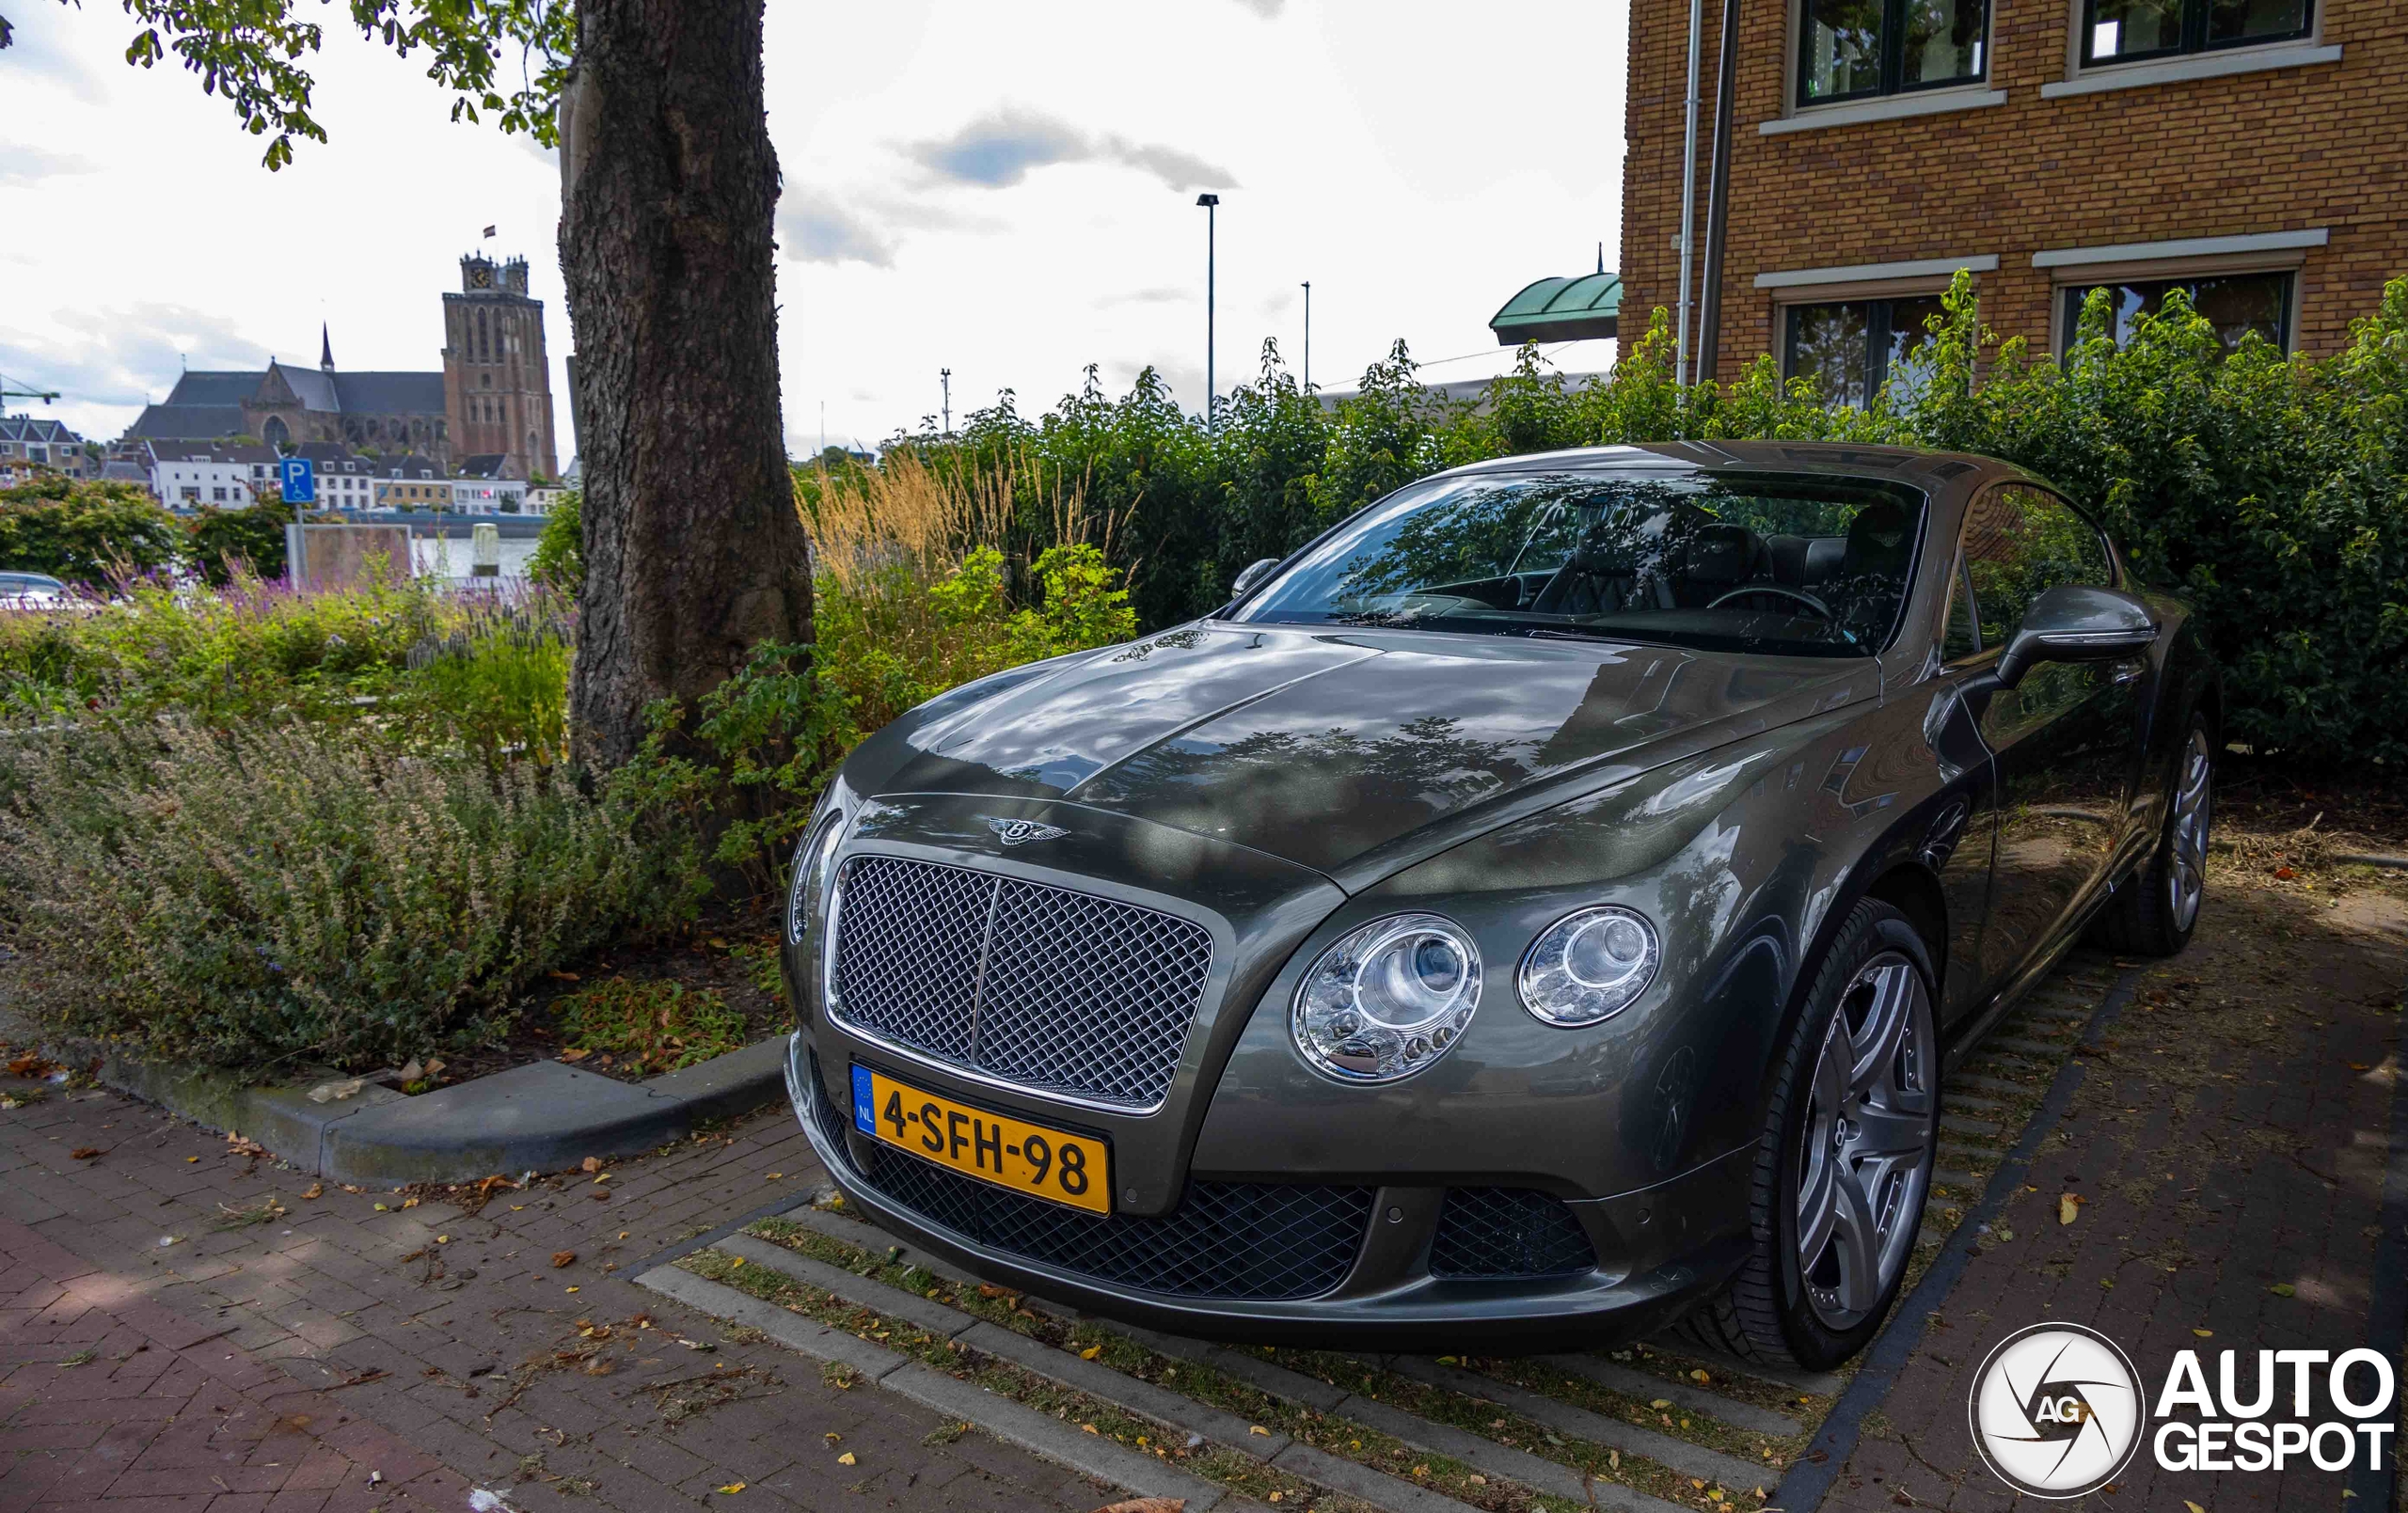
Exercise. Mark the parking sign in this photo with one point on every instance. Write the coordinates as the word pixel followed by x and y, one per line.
pixel 300 481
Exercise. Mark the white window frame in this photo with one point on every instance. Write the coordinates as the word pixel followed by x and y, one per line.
pixel 2218 63
pixel 1800 116
pixel 2184 258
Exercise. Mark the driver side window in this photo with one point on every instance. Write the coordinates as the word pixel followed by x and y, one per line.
pixel 1963 637
pixel 2019 542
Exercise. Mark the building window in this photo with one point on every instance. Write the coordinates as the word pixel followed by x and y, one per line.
pixel 1848 350
pixel 1852 48
pixel 2126 31
pixel 2234 304
pixel 217 495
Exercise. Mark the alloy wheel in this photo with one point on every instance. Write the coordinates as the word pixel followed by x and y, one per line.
pixel 2186 876
pixel 1866 1154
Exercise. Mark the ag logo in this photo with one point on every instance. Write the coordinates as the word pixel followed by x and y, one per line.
pixel 2056 1410
pixel 1016 831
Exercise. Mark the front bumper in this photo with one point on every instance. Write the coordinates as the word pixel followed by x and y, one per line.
pixel 1653 1252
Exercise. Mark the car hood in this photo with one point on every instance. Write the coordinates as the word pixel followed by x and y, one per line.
pixel 1324 748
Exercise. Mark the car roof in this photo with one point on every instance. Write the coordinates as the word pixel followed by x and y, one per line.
pixel 1929 470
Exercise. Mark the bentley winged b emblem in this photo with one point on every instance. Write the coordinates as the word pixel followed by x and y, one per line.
pixel 1016 831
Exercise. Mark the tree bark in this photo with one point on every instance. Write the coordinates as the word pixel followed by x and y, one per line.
pixel 693 551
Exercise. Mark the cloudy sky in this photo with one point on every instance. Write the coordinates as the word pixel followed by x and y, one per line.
pixel 1007 191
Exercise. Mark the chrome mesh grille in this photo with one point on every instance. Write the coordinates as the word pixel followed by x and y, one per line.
pixel 1038 985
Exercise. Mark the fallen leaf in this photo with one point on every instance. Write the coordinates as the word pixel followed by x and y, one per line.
pixel 2286 874
pixel 2282 1290
pixel 336 1091
pixel 1146 1504
pixel 2192 1506
pixel 1256 1428
pixel 84 1152
pixel 1700 1378
pixel 316 1190
pixel 1091 1352
pixel 846 1460
pixel 2205 1334
pixel 2067 1205
pixel 576 1054
pixel 409 1203
pixel 2358 1067
pixel 733 1488
pixel 560 1258
pixel 565 977
pixel 592 1163
pixel 1661 1402
pixel 382 1209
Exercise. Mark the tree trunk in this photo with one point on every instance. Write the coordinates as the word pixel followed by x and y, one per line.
pixel 694 552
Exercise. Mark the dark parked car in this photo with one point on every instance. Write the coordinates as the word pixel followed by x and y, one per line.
pixel 1540 908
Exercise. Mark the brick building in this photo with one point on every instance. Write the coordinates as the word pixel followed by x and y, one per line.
pixel 2253 151
pixel 488 410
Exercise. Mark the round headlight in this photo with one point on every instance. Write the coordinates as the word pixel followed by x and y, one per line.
pixel 1589 965
pixel 811 861
pixel 1387 999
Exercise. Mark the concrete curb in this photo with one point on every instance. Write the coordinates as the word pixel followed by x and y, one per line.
pixel 535 1118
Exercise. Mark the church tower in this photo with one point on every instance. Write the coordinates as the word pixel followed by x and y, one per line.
pixel 497 378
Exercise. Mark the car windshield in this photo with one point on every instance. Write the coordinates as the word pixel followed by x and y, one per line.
pixel 1715 560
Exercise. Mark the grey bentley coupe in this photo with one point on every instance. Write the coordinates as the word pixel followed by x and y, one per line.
pixel 1540 909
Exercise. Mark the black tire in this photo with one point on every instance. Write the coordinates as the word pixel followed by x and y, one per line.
pixel 2144 916
pixel 1763 1314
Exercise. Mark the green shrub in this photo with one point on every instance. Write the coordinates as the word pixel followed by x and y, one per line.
pixel 2273 490
pixel 253 651
pixel 557 562
pixel 649 1027
pixel 275 893
pixel 92 533
pixel 224 542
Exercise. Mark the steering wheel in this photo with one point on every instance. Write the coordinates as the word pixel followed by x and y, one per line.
pixel 1751 589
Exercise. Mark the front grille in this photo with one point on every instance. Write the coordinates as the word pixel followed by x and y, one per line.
pixel 1227 1239
pixel 1508 1232
pixel 1040 985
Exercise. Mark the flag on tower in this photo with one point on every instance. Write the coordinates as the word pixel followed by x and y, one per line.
pixel 490 230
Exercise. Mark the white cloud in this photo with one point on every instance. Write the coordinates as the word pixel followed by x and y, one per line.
pixel 998 149
pixel 24 165
pixel 814 228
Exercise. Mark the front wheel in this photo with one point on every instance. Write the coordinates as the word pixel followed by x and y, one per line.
pixel 2155 909
pixel 1850 1138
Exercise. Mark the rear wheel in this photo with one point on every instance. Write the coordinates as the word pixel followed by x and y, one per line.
pixel 2155 909
pixel 1846 1159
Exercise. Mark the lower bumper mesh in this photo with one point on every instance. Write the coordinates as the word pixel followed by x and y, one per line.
pixel 1267 1240
pixel 1508 1232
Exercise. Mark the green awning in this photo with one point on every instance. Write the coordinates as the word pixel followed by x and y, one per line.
pixel 1562 309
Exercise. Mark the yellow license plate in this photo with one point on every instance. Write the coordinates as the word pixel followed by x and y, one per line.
pixel 1037 1160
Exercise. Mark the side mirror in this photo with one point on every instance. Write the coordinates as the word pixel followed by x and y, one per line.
pixel 1254 574
pixel 2075 622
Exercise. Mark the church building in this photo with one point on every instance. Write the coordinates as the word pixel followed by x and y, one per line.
pixel 488 411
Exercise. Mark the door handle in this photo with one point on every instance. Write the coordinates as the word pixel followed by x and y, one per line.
pixel 2130 674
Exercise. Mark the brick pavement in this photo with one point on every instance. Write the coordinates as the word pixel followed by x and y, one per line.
pixel 2229 1140
pixel 228 1365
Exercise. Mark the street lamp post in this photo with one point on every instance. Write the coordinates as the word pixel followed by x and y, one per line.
pixel 1211 206
pixel 945 376
pixel 1309 336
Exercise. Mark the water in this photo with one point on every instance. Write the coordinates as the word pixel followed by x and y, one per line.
pixel 452 557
